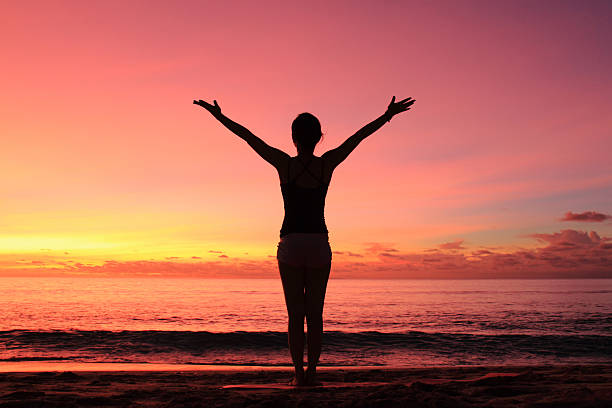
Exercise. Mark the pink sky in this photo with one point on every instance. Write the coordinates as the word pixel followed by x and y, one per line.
pixel 108 167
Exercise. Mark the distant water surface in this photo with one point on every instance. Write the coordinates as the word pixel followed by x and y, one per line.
pixel 367 322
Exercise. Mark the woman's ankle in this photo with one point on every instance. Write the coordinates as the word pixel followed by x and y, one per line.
pixel 300 377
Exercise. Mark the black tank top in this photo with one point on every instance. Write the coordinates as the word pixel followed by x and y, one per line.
pixel 304 206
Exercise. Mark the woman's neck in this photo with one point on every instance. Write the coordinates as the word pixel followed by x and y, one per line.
pixel 305 155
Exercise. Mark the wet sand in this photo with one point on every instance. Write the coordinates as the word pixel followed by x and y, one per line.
pixel 533 386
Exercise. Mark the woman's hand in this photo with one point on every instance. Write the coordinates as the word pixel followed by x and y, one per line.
pixel 398 107
pixel 213 109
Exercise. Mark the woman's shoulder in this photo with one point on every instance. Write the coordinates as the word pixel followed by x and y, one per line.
pixel 305 160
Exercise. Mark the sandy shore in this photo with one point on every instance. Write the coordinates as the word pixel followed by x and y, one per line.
pixel 542 386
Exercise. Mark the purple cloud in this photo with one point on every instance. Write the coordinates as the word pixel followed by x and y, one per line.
pixel 587 216
pixel 569 238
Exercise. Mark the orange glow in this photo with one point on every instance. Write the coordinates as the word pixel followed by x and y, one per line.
pixel 107 163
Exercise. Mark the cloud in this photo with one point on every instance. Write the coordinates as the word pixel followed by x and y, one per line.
pixel 196 257
pixel 378 247
pixel 149 268
pixel 569 238
pixel 385 254
pixel 565 254
pixel 457 244
pixel 482 252
pixel 587 216
pixel 354 254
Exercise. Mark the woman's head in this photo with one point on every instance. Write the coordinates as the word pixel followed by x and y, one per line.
pixel 306 132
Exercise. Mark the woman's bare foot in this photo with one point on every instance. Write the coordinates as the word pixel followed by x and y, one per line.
pixel 295 382
pixel 298 380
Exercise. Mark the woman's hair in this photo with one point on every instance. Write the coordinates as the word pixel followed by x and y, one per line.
pixel 306 131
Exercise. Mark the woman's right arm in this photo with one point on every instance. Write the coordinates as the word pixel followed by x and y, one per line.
pixel 272 155
pixel 336 156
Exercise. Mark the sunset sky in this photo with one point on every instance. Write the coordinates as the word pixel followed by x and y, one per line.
pixel 501 169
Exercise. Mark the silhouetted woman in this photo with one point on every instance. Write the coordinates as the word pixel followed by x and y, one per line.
pixel 304 254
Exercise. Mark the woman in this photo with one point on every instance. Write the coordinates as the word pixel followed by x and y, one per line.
pixel 304 254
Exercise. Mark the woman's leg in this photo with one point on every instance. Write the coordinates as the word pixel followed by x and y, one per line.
pixel 293 287
pixel 316 285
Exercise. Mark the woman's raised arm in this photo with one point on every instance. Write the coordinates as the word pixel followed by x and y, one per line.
pixel 336 156
pixel 272 155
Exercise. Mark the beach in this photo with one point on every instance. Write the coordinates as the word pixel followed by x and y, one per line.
pixel 223 343
pixel 495 386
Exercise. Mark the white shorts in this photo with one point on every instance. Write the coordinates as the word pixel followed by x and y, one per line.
pixel 311 250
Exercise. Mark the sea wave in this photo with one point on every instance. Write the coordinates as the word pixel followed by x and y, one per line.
pixel 270 348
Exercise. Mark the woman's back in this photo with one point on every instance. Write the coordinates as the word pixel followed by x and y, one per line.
pixel 304 187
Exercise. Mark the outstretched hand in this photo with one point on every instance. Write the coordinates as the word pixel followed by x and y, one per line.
pixel 399 107
pixel 214 109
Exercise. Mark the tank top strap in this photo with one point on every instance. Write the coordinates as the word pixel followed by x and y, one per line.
pixel 306 170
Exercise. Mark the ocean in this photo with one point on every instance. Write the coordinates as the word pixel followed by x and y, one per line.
pixel 367 322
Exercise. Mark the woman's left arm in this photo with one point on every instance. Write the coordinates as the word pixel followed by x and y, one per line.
pixel 272 155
